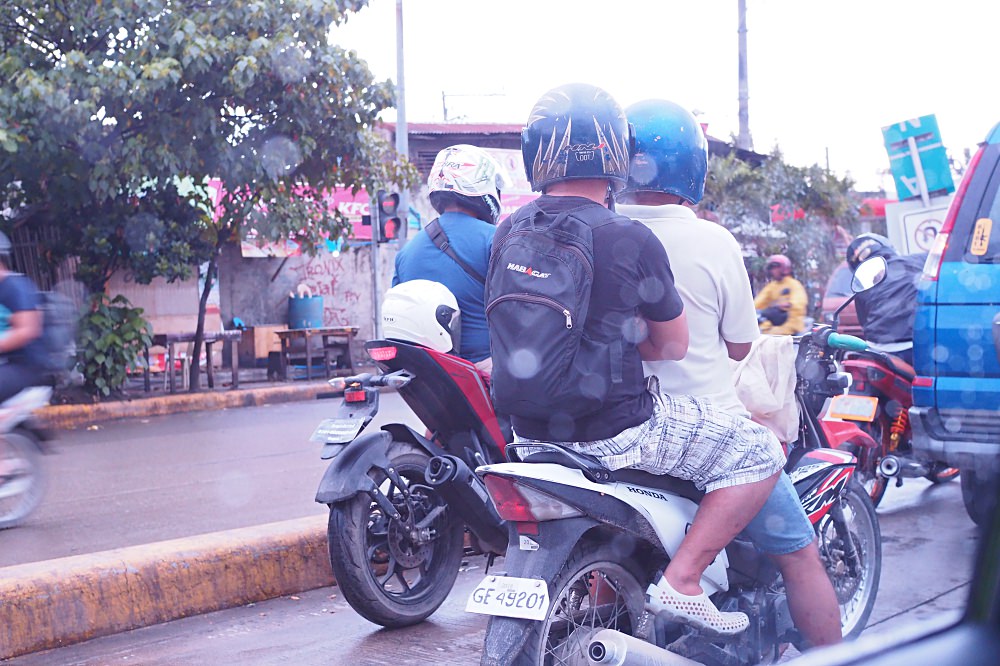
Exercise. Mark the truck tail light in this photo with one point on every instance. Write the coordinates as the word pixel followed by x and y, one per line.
pixel 932 266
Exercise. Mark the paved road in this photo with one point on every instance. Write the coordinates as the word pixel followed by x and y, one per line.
pixel 929 546
pixel 135 482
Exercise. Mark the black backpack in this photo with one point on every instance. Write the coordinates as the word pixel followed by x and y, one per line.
pixel 537 300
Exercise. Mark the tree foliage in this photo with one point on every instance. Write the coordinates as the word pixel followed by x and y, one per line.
pixel 116 114
pixel 778 208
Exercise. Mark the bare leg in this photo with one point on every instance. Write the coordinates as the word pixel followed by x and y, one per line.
pixel 721 516
pixel 811 598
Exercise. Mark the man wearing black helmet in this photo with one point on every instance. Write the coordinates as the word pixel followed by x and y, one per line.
pixel 20 327
pixel 591 393
pixel 887 310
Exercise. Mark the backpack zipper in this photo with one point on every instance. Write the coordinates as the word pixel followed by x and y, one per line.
pixel 533 298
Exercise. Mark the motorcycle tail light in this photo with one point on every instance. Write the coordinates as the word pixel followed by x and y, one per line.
pixel 521 504
pixel 923 382
pixel 382 353
pixel 355 395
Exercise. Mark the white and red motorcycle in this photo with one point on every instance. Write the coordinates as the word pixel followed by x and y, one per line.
pixel 585 542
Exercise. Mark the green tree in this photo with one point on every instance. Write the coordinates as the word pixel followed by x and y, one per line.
pixel 116 115
pixel 779 208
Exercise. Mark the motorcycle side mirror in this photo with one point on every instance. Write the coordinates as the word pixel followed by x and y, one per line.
pixel 868 274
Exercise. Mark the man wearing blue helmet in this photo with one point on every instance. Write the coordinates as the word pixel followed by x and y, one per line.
pixel 666 178
pixel 589 393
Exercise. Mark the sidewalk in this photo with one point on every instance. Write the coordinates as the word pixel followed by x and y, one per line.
pixel 254 390
pixel 68 600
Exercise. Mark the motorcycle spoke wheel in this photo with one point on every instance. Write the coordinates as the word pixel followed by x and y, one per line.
pixel 595 591
pixel 406 562
pixel 396 571
pixel 21 478
pixel 855 583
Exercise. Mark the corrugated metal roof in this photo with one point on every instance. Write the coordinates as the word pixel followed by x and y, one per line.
pixel 460 128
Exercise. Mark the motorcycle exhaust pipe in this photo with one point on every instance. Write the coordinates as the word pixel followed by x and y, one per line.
pixel 466 496
pixel 889 466
pixel 613 648
pixel 892 466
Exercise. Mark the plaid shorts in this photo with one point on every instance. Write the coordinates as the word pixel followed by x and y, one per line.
pixel 690 439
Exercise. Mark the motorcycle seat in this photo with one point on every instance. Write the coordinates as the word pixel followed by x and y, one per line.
pixel 594 471
pixel 902 367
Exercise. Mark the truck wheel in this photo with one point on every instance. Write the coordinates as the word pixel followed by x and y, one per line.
pixel 979 495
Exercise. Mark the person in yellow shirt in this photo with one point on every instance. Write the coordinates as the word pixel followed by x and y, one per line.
pixel 781 304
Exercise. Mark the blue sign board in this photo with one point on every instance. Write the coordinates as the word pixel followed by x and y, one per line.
pixel 926 149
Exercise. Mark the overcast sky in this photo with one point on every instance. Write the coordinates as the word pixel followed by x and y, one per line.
pixel 824 77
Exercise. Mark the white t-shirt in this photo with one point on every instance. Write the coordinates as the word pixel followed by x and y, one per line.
pixel 709 275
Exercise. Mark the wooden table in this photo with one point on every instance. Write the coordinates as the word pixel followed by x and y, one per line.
pixel 171 340
pixel 336 341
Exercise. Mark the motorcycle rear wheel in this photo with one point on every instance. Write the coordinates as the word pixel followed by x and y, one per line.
pixel 22 477
pixel 868 476
pixel 386 575
pixel 867 472
pixel 856 590
pixel 941 473
pixel 596 589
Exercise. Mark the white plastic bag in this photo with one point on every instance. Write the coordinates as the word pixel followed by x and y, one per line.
pixel 765 384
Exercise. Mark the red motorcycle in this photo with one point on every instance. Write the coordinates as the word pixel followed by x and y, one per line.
pixel 886 381
pixel 404 507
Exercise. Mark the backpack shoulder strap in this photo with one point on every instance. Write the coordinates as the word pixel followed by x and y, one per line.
pixel 440 239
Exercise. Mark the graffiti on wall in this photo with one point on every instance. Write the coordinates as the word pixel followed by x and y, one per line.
pixel 345 283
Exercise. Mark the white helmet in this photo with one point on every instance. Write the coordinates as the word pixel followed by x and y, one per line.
pixel 422 312
pixel 470 176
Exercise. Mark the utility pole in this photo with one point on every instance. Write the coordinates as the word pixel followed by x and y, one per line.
pixel 743 140
pixel 403 150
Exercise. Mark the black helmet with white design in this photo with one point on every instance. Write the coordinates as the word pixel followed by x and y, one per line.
pixel 576 131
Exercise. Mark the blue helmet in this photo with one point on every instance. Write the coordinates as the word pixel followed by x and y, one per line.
pixel 671 152
pixel 576 131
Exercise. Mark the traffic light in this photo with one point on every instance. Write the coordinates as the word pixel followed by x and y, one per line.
pixel 389 224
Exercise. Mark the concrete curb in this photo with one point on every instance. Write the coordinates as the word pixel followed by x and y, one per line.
pixel 72 416
pixel 58 602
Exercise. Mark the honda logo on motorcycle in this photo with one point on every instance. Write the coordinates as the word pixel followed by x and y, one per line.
pixel 647 493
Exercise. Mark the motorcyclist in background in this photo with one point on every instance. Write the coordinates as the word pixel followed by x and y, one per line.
pixel 886 311
pixel 21 363
pixel 465 184
pixel 666 177
pixel 781 304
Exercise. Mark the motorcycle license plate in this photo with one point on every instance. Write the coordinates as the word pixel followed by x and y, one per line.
pixel 854 407
pixel 525 598
pixel 337 431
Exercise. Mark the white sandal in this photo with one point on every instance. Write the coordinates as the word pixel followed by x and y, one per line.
pixel 697 611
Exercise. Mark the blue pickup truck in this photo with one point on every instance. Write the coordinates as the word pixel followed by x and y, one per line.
pixel 956 346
